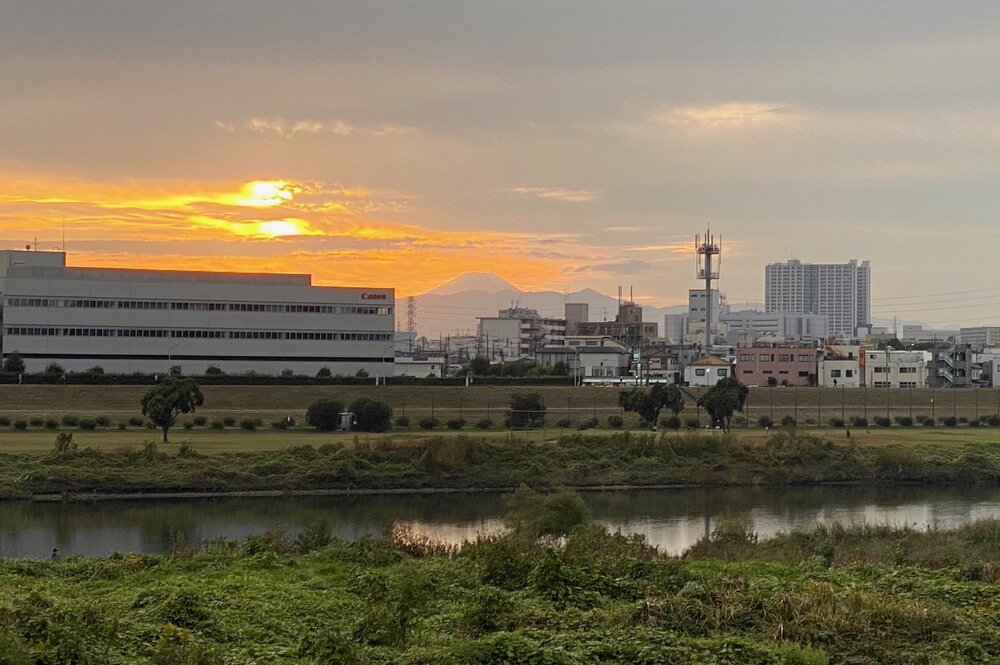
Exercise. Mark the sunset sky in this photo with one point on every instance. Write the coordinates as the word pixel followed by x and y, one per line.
pixel 558 144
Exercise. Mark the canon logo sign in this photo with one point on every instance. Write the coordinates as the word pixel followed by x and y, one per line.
pixel 374 296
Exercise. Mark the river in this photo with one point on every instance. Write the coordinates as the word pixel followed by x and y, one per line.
pixel 673 520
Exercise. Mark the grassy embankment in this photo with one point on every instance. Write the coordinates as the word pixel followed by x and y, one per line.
pixel 461 462
pixel 809 406
pixel 834 595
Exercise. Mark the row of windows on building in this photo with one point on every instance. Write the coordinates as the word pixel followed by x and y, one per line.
pixel 902 370
pixel 200 334
pixel 17 301
pixel 769 357
pixel 802 375
pixel 888 384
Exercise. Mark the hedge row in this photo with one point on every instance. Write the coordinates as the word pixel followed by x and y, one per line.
pixel 84 378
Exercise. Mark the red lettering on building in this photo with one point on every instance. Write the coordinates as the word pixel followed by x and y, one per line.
pixel 374 296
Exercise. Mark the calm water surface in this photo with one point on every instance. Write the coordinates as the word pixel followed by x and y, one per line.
pixel 671 519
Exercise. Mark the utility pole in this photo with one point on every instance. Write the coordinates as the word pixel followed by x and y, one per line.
pixel 411 320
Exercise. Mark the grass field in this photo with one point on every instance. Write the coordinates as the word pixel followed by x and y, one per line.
pixel 807 405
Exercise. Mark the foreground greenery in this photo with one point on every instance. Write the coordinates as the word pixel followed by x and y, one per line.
pixel 833 595
pixel 463 462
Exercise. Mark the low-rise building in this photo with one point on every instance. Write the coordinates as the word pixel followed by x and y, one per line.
pixel 657 362
pixel 603 361
pixel 891 368
pixel 840 366
pixel 785 365
pixel 707 371
pixel 517 332
pixel 750 325
pixel 420 367
pixel 627 328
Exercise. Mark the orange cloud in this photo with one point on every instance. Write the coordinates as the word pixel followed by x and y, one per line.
pixel 336 233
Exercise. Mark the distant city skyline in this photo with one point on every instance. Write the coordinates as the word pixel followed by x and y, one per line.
pixel 402 144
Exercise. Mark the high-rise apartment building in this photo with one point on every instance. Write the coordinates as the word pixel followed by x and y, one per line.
pixel 841 291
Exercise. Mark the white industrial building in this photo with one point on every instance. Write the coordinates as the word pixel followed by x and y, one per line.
pixel 893 368
pixel 150 320
pixel 749 325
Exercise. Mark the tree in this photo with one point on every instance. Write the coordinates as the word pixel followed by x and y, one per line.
pixel 323 373
pixel 560 369
pixel 723 399
pixel 13 363
pixel 526 409
pixel 535 514
pixel 479 366
pixel 648 402
pixel 54 368
pixel 371 415
pixel 324 414
pixel 168 399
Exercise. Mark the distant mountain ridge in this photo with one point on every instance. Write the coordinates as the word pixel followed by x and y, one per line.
pixel 452 307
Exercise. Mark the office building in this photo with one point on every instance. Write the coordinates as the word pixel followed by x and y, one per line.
pixel 980 337
pixel 842 292
pixel 675 327
pixel 744 327
pixel 699 303
pixel 147 321
pixel 783 365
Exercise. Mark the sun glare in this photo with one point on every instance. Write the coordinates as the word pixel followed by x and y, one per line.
pixel 281 227
pixel 265 193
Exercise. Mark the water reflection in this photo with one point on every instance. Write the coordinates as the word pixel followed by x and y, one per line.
pixel 671 519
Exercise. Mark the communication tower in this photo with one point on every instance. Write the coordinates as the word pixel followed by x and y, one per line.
pixel 708 269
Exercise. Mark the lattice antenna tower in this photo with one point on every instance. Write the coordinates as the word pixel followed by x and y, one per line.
pixel 706 249
pixel 411 314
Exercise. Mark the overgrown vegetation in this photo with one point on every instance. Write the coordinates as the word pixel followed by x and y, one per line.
pixel 574 459
pixel 832 595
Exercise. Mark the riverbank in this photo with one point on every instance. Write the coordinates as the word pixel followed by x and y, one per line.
pixel 465 462
pixel 833 595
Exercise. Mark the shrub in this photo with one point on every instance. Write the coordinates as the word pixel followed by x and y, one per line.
pixel 188 424
pixel 199 421
pixel 836 422
pixel 484 423
pixel 589 423
pixel 692 423
pixel 526 410
pixel 54 368
pixel 287 372
pixel 882 421
pixel 122 426
pixel 4 421
pixel 765 421
pixel 615 422
pixel 974 423
pixel 218 424
pixel 564 423
pixel 88 425
pixel 859 421
pixel 670 422
pixel 428 423
pixel 788 421
pixel 323 373
pixel 36 422
pixel 51 423
pixel 950 421
pixel 536 514
pixel 229 421
pixel 279 424
pixel 455 423
pixel 905 421
pixel 324 414
pixel 402 421
pixel 248 424
pixel 371 415
pixel 993 421
pixel 21 424
pixel 70 421
pixel 963 420
pixel 102 421
pixel 928 422
pixel 135 421
pixel 213 371
pixel 96 369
